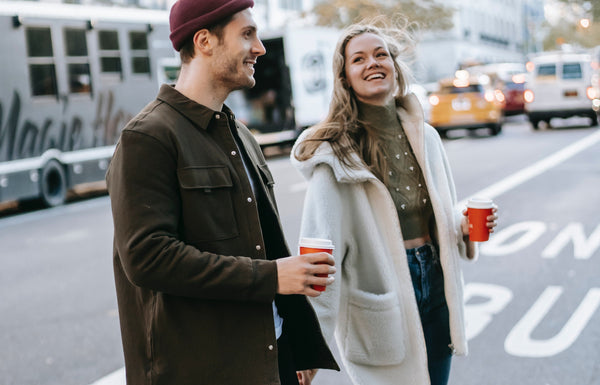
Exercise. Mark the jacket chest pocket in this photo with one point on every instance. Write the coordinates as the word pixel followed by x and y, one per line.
pixel 206 203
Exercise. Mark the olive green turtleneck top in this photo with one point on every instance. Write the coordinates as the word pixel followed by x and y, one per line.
pixel 405 183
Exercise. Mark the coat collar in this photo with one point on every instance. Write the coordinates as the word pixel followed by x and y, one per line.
pixel 411 116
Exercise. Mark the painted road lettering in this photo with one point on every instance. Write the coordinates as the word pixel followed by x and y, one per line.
pixel 521 235
pixel 519 341
pixel 484 301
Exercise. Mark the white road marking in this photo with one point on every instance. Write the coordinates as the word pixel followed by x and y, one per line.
pixel 519 177
pixel 535 169
pixel 115 378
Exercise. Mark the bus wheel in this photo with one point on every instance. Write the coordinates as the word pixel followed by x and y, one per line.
pixel 53 183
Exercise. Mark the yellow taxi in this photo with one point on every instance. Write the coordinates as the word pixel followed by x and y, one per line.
pixel 466 102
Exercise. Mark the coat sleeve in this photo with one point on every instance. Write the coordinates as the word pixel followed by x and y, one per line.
pixel 324 217
pixel 143 187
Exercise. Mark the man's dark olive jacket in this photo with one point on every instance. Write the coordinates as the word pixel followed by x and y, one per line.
pixel 194 282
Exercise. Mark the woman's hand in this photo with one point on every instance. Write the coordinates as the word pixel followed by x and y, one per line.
pixel 491 221
pixel 305 377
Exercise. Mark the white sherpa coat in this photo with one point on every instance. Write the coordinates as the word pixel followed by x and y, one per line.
pixel 371 307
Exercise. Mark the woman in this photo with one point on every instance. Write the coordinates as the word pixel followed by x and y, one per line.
pixel 380 187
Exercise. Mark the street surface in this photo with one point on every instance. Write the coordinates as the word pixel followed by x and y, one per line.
pixel 532 299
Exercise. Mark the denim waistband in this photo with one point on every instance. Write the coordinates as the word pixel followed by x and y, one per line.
pixel 424 251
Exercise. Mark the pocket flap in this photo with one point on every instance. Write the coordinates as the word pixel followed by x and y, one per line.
pixel 204 177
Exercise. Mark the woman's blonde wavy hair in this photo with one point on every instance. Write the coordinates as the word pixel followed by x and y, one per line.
pixel 342 128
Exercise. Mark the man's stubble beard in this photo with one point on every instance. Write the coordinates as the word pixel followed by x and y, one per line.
pixel 232 76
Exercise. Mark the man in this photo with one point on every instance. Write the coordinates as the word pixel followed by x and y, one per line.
pixel 206 289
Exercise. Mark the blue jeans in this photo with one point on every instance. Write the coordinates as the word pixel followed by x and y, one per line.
pixel 428 283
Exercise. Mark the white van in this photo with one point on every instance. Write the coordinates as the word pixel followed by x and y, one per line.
pixel 559 86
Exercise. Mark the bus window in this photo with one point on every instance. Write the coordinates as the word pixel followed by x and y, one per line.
pixel 572 71
pixel 42 72
pixel 171 73
pixel 110 56
pixel 140 58
pixel 78 65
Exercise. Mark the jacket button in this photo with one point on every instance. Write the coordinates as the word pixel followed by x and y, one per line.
pixel 258 247
pixel 270 347
pixel 249 199
pixel 233 153
pixel 217 116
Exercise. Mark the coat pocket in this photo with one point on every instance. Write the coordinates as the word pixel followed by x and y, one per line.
pixel 207 203
pixel 375 334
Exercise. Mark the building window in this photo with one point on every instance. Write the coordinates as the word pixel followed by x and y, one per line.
pixel 293 5
pixel 78 63
pixel 140 56
pixel 110 55
pixel 42 71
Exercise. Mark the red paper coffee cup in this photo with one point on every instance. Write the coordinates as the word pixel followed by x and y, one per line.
pixel 316 245
pixel 478 209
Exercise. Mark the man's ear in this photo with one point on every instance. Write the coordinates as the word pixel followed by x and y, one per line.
pixel 202 42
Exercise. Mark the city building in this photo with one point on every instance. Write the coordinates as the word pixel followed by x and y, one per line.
pixel 484 31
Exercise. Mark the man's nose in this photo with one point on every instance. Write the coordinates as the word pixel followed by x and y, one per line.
pixel 259 48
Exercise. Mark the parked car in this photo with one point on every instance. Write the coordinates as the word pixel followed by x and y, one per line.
pixel 560 86
pixel 466 101
pixel 514 90
pixel 596 80
pixel 510 79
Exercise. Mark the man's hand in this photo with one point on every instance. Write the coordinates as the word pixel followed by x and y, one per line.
pixel 296 274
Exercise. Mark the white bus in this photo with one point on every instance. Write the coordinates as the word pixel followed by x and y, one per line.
pixel 71 77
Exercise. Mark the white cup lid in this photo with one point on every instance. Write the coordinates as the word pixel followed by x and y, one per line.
pixel 480 203
pixel 316 243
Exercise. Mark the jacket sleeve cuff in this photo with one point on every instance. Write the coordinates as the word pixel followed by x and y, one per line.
pixel 265 280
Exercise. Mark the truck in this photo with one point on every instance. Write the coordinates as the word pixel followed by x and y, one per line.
pixel 294 83
pixel 71 77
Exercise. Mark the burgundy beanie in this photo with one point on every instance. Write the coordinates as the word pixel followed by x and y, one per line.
pixel 189 16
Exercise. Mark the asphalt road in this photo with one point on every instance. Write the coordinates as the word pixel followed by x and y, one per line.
pixel 533 298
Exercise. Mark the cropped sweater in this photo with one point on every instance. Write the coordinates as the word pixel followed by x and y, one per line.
pixel 404 178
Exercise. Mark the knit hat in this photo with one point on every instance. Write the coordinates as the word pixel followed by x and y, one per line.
pixel 189 16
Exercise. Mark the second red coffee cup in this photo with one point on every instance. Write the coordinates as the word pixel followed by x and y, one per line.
pixel 316 245
pixel 478 209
